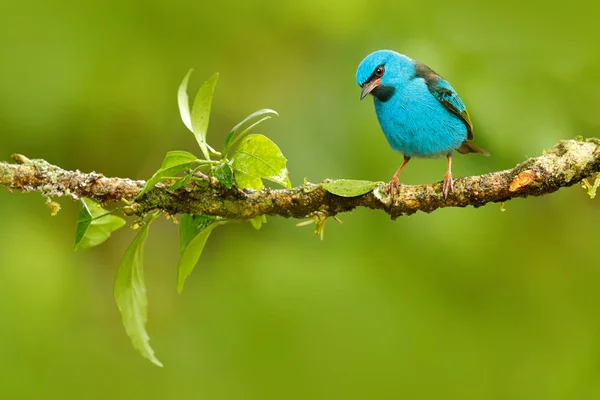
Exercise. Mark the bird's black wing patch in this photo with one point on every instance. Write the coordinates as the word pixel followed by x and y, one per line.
pixel 446 95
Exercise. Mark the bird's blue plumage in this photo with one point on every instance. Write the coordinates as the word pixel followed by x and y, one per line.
pixel 422 116
pixel 420 113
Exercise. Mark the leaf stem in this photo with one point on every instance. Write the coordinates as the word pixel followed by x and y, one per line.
pixel 208 162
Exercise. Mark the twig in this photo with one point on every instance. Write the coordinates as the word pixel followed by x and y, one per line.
pixel 567 163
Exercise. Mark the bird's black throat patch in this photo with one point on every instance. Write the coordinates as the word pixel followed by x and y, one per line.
pixel 383 93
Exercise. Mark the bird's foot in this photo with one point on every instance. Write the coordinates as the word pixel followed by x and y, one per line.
pixel 447 186
pixel 392 186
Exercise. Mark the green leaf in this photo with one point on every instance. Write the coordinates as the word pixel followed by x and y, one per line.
pixel 94 224
pixel 258 157
pixel 190 225
pixel 194 231
pixel 247 181
pixel 348 187
pixel 182 182
pixel 257 222
pixel 230 139
pixel 174 162
pixel 130 294
pixel 201 112
pixel 224 174
pixel 184 102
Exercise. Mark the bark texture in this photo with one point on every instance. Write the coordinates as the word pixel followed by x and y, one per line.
pixel 565 164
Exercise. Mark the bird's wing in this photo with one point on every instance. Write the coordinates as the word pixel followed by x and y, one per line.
pixel 446 95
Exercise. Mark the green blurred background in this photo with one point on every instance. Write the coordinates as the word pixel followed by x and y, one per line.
pixel 462 303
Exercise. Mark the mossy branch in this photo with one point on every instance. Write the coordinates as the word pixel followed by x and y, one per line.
pixel 565 164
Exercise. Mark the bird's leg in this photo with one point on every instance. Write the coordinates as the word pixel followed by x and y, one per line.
pixel 393 185
pixel 448 186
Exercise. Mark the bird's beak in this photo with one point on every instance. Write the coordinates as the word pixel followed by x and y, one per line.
pixel 368 87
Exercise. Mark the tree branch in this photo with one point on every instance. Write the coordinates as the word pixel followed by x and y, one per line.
pixel 565 164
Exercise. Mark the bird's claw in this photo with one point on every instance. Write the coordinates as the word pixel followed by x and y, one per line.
pixel 448 185
pixel 392 187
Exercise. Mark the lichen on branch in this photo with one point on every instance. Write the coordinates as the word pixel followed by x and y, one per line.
pixel 565 164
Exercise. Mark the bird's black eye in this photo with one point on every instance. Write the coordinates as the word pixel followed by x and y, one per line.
pixel 379 71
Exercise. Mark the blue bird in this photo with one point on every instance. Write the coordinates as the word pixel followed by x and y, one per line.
pixel 419 112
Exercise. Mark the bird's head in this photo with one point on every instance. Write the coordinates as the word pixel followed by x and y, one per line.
pixel 381 72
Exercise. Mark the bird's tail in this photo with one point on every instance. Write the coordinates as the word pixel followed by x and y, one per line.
pixel 469 147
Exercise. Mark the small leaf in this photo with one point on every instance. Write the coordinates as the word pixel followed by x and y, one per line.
pixel 201 112
pixel 185 180
pixel 174 162
pixel 193 234
pixel 224 174
pixel 257 222
pixel 248 129
pixel 94 224
pixel 258 157
pixel 130 294
pixel 229 140
pixel 184 102
pixel 182 182
pixel 348 187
